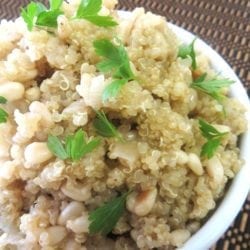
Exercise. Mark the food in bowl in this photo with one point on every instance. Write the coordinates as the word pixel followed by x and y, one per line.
pixel 114 134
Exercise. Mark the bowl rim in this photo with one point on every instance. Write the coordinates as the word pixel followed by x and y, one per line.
pixel 236 194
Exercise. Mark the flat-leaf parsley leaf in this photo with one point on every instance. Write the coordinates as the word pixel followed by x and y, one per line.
pixel 36 14
pixel 55 4
pixel 88 10
pixel 213 137
pixel 188 50
pixel 56 147
pixel 212 87
pixel 116 62
pixel 3 100
pixel 76 146
pixel 3 114
pixel 104 218
pixel 113 88
pixel 104 127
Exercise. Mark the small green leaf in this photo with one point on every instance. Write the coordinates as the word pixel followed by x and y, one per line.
pixel 75 146
pixel 40 8
pixel 77 143
pixel 48 18
pixel 213 137
pixel 3 116
pixel 29 13
pixel 209 148
pixel 212 87
pixel 103 219
pixel 104 127
pixel 3 100
pixel 55 4
pixel 116 59
pixel 88 10
pixel 101 21
pixel 116 62
pixel 208 131
pixel 90 146
pixel 56 147
pixel 36 14
pixel 112 53
pixel 188 50
pixel 113 89
pixel 68 144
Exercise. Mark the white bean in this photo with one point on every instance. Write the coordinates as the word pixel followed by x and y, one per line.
pixel 127 152
pixel 76 191
pixel 141 203
pixel 74 107
pixel 52 235
pixel 16 152
pixel 79 111
pixel 79 225
pixel 194 164
pixel 28 125
pixel 80 119
pixel 91 89
pixel 32 93
pixel 179 236
pixel 222 128
pixel 182 157
pixel 36 153
pixel 18 67
pixel 215 170
pixel 12 91
pixel 8 170
pixel 71 244
pixel 41 109
pixel 5 139
pixel 73 210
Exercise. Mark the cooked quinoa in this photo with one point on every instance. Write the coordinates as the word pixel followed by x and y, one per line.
pixel 53 87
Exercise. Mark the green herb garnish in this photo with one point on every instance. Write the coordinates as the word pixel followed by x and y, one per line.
pixel 3 114
pixel 104 127
pixel 188 50
pixel 88 10
pixel 56 147
pixel 75 146
pixel 103 219
pixel 36 14
pixel 3 100
pixel 213 137
pixel 212 87
pixel 55 4
pixel 116 62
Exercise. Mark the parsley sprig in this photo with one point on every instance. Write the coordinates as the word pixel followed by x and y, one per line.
pixel 76 146
pixel 116 62
pixel 3 114
pixel 188 50
pixel 104 127
pixel 213 136
pixel 36 14
pixel 88 10
pixel 104 218
pixel 212 87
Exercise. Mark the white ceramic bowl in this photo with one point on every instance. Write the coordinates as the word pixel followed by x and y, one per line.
pixel 227 210
pixel 235 196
